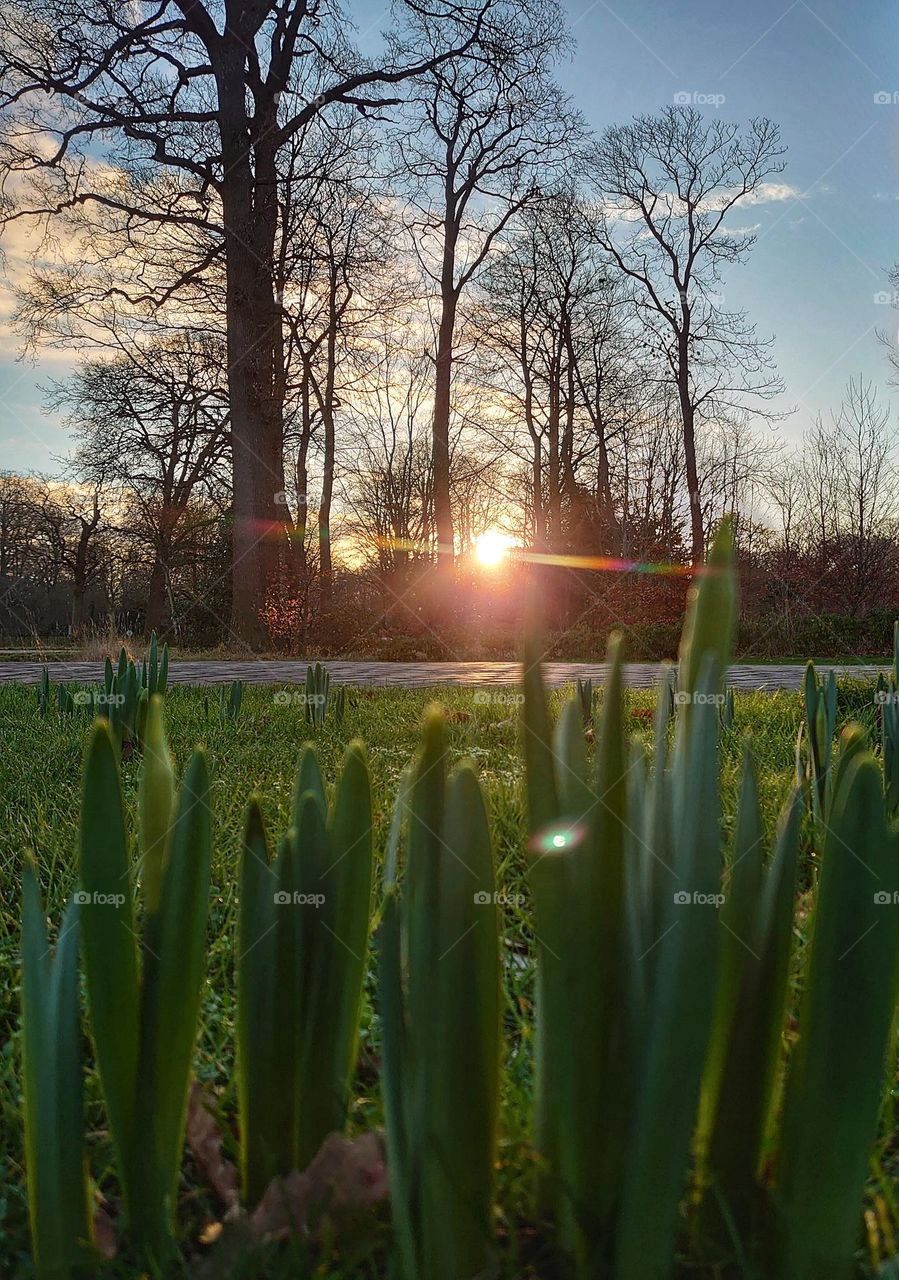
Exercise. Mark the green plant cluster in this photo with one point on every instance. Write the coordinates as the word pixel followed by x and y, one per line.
pixel 319 702
pixel 663 980
pixel 123 697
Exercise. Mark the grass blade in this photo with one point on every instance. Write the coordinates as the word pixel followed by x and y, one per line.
pixel 846 1021
pixel 255 965
pixel 349 883
pixel 461 1061
pixel 156 797
pixel 181 969
pixel 539 762
pixel 108 942
pixel 667 1089
pixel 745 1100
pixel 52 1089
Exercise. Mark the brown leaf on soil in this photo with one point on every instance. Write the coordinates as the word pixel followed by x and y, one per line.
pixel 104 1234
pixel 344 1175
pixel 350 1172
pixel 344 1178
pixel 205 1142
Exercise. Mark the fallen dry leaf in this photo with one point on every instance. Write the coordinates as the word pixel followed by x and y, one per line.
pixel 104 1233
pixel 344 1174
pixel 350 1172
pixel 205 1142
pixel 344 1177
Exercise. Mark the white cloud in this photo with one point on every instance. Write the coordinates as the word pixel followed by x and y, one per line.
pixel 771 193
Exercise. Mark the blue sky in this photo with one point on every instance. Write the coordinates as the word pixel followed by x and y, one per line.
pixel 823 253
pixel 822 256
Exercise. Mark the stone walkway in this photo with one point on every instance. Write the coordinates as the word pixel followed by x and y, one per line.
pixel 415 674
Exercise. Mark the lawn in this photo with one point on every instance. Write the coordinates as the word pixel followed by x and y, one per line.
pixel 40 773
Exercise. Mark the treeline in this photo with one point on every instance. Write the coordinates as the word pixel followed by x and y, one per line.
pixel 817 533
pixel 339 315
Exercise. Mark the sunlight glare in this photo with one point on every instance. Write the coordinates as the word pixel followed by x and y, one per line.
pixel 492 547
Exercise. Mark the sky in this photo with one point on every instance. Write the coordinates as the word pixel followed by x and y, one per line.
pixel 826 72
pixel 817 278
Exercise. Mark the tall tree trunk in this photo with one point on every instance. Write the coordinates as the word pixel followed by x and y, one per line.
pixel 604 481
pixel 569 482
pixel 538 530
pixel 301 474
pixel 443 381
pixel 326 566
pixel 286 563
pixel 249 212
pixel 156 594
pixel 553 496
pixel 247 566
pixel 79 580
pixel 80 567
pixel 697 539
pixel 539 535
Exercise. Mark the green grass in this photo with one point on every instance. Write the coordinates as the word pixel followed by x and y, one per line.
pixel 40 779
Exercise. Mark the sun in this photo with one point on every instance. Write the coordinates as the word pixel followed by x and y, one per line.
pixel 492 547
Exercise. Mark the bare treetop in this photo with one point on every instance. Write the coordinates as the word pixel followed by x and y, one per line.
pixel 677 176
pixel 665 185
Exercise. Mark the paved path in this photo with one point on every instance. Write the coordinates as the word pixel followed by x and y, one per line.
pixel 415 674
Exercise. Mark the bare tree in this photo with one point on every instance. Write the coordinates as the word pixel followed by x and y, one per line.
pixel 53 536
pixel 81 553
pixel 18 511
pixel 667 185
pixel 556 344
pixel 863 454
pixel 153 426
pixel 339 267
pixel 838 515
pixel 211 99
pixel 387 474
pixel 481 132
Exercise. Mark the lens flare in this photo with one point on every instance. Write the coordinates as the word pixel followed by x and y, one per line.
pixel 492 548
pixel 561 837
